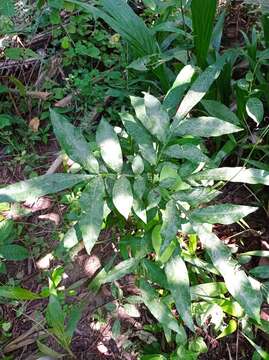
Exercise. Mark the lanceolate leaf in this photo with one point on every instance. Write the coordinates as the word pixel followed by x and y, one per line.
pixel 196 196
pixel 40 186
pixel 255 110
pixel 158 117
pixel 123 268
pixel 158 309
pixel 170 225
pixel 73 143
pixel 179 285
pixel 141 137
pixel 17 293
pixel 92 205
pixel 13 252
pixel 108 141
pixel 187 151
pixel 198 90
pixel 219 110
pixel 234 174
pixel 205 127
pixel 123 196
pixel 151 115
pixel 221 214
pixel 237 282
pixel 203 15
pixel 174 95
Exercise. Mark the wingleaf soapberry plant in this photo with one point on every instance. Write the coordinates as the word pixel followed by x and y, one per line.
pixel 157 174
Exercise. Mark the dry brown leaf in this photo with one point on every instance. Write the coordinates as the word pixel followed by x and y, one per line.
pixel 41 95
pixel 34 124
pixel 64 102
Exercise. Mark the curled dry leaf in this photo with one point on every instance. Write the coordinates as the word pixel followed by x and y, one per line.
pixel 34 124
pixel 66 101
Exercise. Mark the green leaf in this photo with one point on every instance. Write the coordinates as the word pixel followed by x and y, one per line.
pixel 186 151
pixel 237 282
pixel 157 243
pixel 198 346
pixel 221 214
pixel 170 225
pixel 55 317
pixel 123 268
pixel 158 309
pixel 255 109
pixel 198 90
pixel 196 196
pixel 213 289
pixel 40 186
pixel 149 111
pixel 180 85
pixel 219 110
pixel 158 118
pixel 17 293
pixel 230 329
pixel 154 273
pixel 7 8
pixel 262 253
pixel 108 141
pixel 5 120
pixel 73 320
pixel 73 142
pixel 6 230
pixel 123 196
pixel 92 206
pixel 48 351
pixel 263 354
pixel 13 252
pixel 179 286
pixel 203 15
pixel 137 165
pixel 234 174
pixel 261 272
pixel 205 127
pixel 141 137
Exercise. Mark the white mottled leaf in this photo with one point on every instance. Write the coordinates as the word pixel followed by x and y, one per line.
pixel 109 144
pixel 221 214
pixel 255 109
pixel 205 126
pixel 236 280
pixel 179 285
pixel 198 90
pixel 123 196
pixel 186 151
pixel 73 142
pixel 234 174
pixel 40 186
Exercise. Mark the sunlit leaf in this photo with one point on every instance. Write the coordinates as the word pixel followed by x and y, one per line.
pixel 221 214
pixel 73 142
pixel 198 90
pixel 179 285
pixel 234 174
pixel 237 282
pixel 255 109
pixel 108 141
pixel 205 127
pixel 40 186
pixel 123 196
